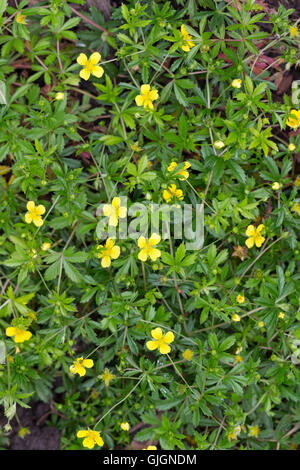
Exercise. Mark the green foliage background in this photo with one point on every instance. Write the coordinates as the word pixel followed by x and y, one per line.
pixel 74 154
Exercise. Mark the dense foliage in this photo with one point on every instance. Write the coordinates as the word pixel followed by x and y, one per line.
pixel 138 340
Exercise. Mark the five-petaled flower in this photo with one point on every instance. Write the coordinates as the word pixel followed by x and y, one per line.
pixel 294 31
pixel 235 317
pixel 108 252
pixel 294 119
pixel 114 211
pixel 79 366
pixel 90 66
pixel 236 83
pixel 172 192
pixel 254 431
pixel 219 144
pixel 146 97
pixel 19 334
pixel 59 96
pixel 184 173
pixel 107 377
pixel 240 299
pixel 34 214
pixel 147 247
pixel 187 39
pixel 255 237
pixel 91 438
pixel 161 341
pixel 125 426
pixel 188 354
pixel 21 19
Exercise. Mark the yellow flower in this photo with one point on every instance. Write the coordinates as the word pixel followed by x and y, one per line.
pixel 254 431
pixel 219 144
pixel 188 354
pixel 23 432
pixel 45 246
pixel 236 83
pixel 125 426
pixel 233 435
pixel 254 236
pixel 291 147
pixel 90 66
pixel 146 97
pixel 106 377
pixel 294 31
pixel 59 96
pixel 135 147
pixel 235 317
pixel 297 181
pixel 161 341
pixel 79 367
pixel 19 335
pixel 276 186
pixel 238 358
pixel 34 214
pixel 296 208
pixel 281 315
pixel 114 211
pixel 172 192
pixel 240 299
pixel 150 448
pixel 147 247
pixel 294 119
pixel 21 19
pixel 91 438
pixel 187 39
pixel 108 252
pixel 184 173
pixel 260 324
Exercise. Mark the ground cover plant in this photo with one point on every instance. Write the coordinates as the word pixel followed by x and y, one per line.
pixel 149 342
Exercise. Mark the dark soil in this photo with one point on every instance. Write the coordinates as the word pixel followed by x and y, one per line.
pixel 41 437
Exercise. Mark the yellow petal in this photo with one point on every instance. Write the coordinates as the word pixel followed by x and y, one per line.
pixel 85 74
pixel 145 89
pixel 139 99
pixel 122 212
pixel 250 242
pixel 30 206
pixel 79 370
pixel 157 333
pixel 143 255
pixel 40 210
pixel 95 58
pixel 88 363
pixel 113 220
pixel 250 232
pixel 153 95
pixel 164 349
pixel 37 220
pixel 88 442
pixel 115 252
pixel 99 441
pixel 82 59
pixel 11 331
pixel 97 71
pixel 169 337
pixel 105 263
pixel 28 218
pixel 109 243
pixel 259 228
pixel 142 242
pixel 259 241
pixel 154 253
pixel 151 345
pixel 148 104
pixel 116 202
pixel 154 239
pixel 82 433
pixel 107 210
